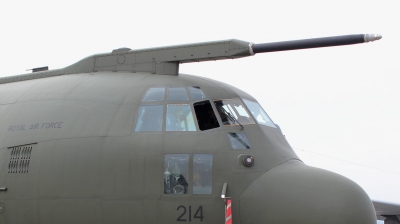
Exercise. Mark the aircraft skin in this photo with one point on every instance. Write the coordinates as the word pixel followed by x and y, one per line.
pixel 71 152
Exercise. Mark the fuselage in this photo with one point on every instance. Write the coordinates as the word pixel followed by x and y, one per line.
pixel 96 148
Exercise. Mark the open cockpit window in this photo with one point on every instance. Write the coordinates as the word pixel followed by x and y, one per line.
pixel 154 94
pixel 205 115
pixel 259 114
pixel 150 118
pixel 179 118
pixel 233 112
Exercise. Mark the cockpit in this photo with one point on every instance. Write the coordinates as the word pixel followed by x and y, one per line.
pixel 188 109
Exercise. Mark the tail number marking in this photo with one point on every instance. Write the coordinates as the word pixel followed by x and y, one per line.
pixel 184 218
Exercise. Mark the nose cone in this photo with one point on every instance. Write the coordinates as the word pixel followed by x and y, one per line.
pixel 296 193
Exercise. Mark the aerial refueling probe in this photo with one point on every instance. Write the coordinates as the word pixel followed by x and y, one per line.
pixel 314 43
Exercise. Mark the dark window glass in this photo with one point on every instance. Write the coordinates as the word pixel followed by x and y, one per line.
pixel 196 93
pixel 239 141
pixel 205 115
pixel 176 173
pixel 202 173
pixel 150 118
pixel 177 94
pixel 154 94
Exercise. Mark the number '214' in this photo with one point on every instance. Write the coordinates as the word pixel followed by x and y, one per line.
pixel 183 217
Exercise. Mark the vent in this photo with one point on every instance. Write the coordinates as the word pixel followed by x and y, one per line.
pixel 20 158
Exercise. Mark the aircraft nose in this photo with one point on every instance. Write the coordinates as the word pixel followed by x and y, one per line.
pixel 296 193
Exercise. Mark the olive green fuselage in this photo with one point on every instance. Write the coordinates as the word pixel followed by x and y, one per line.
pixel 83 162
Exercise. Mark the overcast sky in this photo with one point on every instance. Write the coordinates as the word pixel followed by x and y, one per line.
pixel 338 107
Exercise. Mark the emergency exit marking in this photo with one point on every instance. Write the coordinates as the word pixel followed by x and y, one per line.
pixel 185 218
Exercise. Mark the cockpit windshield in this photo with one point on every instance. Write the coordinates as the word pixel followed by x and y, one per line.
pixel 233 112
pixel 180 116
pixel 258 113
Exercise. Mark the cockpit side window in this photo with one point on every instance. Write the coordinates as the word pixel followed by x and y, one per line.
pixel 177 94
pixel 176 168
pixel 196 93
pixel 150 118
pixel 259 114
pixel 239 140
pixel 179 118
pixel 202 173
pixel 154 94
pixel 233 112
pixel 205 115
pixel 174 101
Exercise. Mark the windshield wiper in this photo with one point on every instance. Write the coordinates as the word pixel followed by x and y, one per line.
pixel 232 118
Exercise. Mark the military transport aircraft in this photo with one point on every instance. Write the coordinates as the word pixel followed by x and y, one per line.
pixel 122 137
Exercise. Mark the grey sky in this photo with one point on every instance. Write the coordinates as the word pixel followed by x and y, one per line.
pixel 338 107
